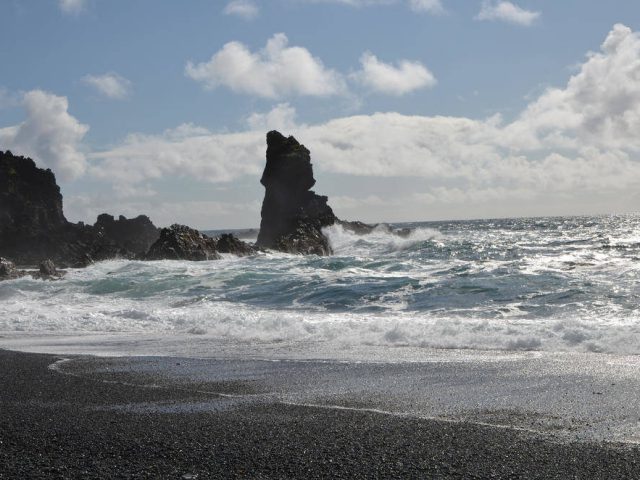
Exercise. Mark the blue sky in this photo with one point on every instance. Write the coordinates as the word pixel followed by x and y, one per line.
pixel 412 109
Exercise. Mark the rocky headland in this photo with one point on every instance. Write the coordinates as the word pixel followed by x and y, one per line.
pixel 35 233
pixel 33 227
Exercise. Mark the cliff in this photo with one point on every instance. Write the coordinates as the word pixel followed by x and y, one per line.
pixel 33 227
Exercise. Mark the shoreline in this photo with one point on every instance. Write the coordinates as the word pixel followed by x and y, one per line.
pixel 144 417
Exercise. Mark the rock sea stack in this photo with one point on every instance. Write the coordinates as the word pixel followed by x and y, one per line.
pixel 293 215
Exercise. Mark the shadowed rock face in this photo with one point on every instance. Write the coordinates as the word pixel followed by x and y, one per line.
pixel 30 199
pixel 135 235
pixel 33 226
pixel 228 243
pixel 292 214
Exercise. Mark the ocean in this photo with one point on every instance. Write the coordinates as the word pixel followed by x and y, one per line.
pixel 561 284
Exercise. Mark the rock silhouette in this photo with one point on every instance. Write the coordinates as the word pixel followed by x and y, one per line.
pixel 33 226
pixel 179 242
pixel 292 214
pixel 135 235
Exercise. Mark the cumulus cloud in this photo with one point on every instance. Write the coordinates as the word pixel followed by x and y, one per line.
pixel 276 71
pixel 281 117
pixel 185 152
pixel 245 9
pixel 599 107
pixel 394 80
pixel 507 12
pixel 429 6
pixel 49 134
pixel 72 6
pixel 111 85
pixel 579 141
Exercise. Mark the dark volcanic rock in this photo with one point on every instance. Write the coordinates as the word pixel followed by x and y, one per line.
pixel 135 235
pixel 8 270
pixel 31 217
pixel 228 243
pixel 33 226
pixel 30 199
pixel 180 242
pixel 48 271
pixel 292 214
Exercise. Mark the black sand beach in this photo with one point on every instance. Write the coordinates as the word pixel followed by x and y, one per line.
pixel 102 425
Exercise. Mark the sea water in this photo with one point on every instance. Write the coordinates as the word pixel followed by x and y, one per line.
pixel 562 284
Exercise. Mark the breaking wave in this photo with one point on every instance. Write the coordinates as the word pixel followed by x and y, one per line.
pixel 559 284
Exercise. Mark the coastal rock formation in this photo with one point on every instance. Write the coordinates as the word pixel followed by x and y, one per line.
pixel 48 271
pixel 8 270
pixel 292 214
pixel 135 235
pixel 33 226
pixel 228 243
pixel 179 242
pixel 30 208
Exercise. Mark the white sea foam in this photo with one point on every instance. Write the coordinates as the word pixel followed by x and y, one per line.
pixel 70 308
pixel 380 240
pixel 483 288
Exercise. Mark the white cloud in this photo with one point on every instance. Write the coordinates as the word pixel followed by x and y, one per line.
pixel 571 147
pixel 507 12
pixel 50 135
pixel 276 71
pixel 110 85
pixel 599 107
pixel 429 6
pixel 245 9
pixel 281 117
pixel 72 6
pixel 212 157
pixel 385 78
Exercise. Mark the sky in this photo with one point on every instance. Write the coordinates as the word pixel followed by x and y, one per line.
pixel 413 110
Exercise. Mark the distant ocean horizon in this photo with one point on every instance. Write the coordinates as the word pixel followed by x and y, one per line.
pixel 547 284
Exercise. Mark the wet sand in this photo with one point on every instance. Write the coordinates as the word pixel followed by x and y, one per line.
pixel 143 417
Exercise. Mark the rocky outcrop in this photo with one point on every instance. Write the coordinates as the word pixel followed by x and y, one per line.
pixel 228 243
pixel 292 214
pixel 134 235
pixel 8 270
pixel 179 242
pixel 33 226
pixel 46 271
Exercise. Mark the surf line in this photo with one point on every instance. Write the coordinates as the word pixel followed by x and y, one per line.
pixel 56 367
